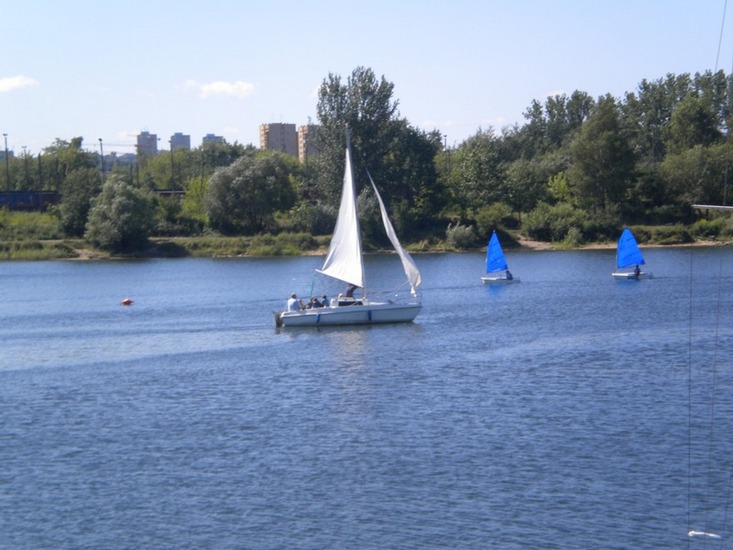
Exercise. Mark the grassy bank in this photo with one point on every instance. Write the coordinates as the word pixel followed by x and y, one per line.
pixel 36 236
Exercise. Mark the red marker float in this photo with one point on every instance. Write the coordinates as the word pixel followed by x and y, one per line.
pixel 127 302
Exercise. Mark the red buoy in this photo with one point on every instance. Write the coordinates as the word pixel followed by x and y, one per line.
pixel 127 302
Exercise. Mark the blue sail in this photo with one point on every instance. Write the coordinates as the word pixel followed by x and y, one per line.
pixel 495 255
pixel 628 252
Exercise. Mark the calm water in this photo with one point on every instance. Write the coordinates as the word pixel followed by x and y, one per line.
pixel 569 411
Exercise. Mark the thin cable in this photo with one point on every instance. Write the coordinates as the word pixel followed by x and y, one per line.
pixel 720 39
pixel 689 404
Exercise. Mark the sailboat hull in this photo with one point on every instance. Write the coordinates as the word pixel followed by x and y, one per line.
pixel 498 280
pixel 366 314
pixel 630 275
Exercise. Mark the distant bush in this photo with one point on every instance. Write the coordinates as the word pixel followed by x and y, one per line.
pixel 496 215
pixel 284 244
pixel 574 237
pixel 28 250
pixel 673 234
pixel 460 236
pixel 122 217
pixel 708 229
pixel 28 225
pixel 552 223
pixel 727 229
pixel 316 219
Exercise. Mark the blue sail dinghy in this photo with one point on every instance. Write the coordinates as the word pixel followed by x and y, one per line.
pixel 497 271
pixel 629 259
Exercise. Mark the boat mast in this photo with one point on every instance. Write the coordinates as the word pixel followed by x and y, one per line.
pixel 350 168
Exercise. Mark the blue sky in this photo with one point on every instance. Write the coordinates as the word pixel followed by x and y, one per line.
pixel 103 69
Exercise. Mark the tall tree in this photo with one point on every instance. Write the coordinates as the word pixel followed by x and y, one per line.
pixel 693 122
pixel 399 157
pixel 603 160
pixel 477 176
pixel 364 104
pixel 79 190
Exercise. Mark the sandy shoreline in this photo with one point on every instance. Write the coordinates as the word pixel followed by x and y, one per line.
pixel 524 244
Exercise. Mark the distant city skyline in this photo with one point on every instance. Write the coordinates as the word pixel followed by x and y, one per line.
pixel 225 69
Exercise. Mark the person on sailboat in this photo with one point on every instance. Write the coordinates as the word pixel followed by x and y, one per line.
pixel 637 271
pixel 293 303
pixel 509 275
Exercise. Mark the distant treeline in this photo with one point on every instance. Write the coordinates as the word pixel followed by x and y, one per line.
pixel 577 170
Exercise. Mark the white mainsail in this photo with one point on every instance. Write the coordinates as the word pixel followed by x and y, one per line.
pixel 413 275
pixel 344 260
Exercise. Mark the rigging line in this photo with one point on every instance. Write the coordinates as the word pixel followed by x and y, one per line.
pixel 720 39
pixel 716 357
pixel 689 403
pixel 713 393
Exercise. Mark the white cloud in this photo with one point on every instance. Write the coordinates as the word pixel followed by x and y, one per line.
pixel 237 90
pixel 11 83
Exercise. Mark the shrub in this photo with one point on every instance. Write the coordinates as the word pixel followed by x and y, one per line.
pixel 460 236
pixel 28 225
pixel 552 223
pixel 674 234
pixel 491 217
pixel 708 229
pixel 121 218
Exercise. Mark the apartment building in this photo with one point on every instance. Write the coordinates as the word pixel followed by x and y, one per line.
pixel 307 148
pixel 180 141
pixel 279 137
pixel 147 144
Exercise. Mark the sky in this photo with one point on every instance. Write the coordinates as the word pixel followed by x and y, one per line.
pixel 108 69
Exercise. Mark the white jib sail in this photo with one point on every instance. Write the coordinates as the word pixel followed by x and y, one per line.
pixel 344 260
pixel 413 275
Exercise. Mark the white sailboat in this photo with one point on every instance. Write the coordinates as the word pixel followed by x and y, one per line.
pixel 629 258
pixel 344 262
pixel 497 270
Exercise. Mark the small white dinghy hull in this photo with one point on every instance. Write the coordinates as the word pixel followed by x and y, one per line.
pixel 630 275
pixel 489 280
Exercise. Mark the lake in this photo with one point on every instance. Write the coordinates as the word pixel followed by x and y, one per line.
pixel 567 411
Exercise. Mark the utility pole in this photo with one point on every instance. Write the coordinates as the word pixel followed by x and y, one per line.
pixel 101 155
pixel 25 165
pixel 7 166
pixel 173 180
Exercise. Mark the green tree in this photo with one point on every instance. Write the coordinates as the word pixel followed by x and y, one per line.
pixel 60 159
pixel 399 157
pixel 526 180
pixel 365 105
pixel 243 197
pixel 603 160
pixel 122 217
pixel 477 176
pixel 409 180
pixel 697 175
pixel 693 122
pixel 554 124
pixel 70 155
pixel 80 188
pixel 194 201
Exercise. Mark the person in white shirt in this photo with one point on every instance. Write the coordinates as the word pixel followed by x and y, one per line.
pixel 293 303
